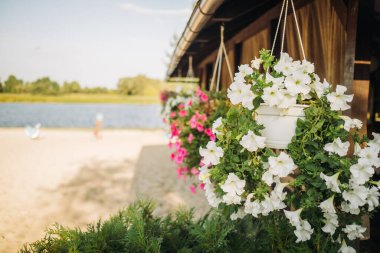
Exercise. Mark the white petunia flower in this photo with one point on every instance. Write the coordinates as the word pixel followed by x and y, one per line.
pixel 268 178
pixel 297 83
pixel 272 96
pixel 348 209
pixel 375 142
pixel 303 231
pixel 211 154
pixel 253 208
pixel 284 57
pixel 277 202
pixel 337 147
pixel 370 155
pixel 237 215
pixel 346 249
pixel 331 223
pixel 239 92
pixel 211 197
pixel 277 82
pixel 373 198
pixel 233 185
pixel 361 172
pixel 327 206
pixel 320 88
pixel 279 189
pixel 204 173
pixel 354 231
pixel 287 99
pixel 285 65
pixel 356 196
pixel 357 149
pixel 307 66
pixel 239 78
pixel 252 142
pixel 294 217
pixel 247 100
pixel 236 90
pixel 255 64
pixel 332 182
pixel 281 165
pixel 231 198
pixel 338 100
pixel 245 69
pixel 266 206
pixel 217 123
pixel 351 123
pixel 278 196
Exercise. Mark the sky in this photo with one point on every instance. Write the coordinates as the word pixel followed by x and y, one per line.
pixel 94 42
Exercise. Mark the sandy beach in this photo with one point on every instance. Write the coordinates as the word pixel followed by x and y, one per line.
pixel 69 177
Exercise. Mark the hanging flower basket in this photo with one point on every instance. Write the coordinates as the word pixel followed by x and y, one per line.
pixel 279 124
pixel 282 104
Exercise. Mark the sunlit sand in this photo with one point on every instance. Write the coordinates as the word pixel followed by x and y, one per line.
pixel 69 177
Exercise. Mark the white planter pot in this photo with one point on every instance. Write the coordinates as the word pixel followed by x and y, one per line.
pixel 280 124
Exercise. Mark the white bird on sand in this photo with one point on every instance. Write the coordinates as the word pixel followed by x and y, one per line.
pixel 33 132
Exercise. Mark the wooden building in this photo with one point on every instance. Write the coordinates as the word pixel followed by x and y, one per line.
pixel 342 38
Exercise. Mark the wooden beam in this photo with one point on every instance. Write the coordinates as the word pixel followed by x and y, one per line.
pixel 253 28
pixel 341 9
pixel 349 57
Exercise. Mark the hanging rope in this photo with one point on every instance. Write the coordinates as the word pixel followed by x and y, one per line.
pixel 285 5
pixel 298 29
pixel 218 63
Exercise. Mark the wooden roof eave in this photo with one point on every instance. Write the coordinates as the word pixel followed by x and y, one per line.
pixel 202 12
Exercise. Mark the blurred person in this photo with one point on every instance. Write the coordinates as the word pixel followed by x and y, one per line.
pixel 98 125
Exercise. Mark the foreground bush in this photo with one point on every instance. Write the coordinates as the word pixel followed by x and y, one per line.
pixel 135 229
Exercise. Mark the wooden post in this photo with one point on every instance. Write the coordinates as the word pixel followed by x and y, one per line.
pixel 357 58
pixel 349 57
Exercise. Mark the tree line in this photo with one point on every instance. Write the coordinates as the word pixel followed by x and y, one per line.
pixel 138 85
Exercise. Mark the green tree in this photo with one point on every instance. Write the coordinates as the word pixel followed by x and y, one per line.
pixel 138 85
pixel 95 90
pixel 71 87
pixel 13 85
pixel 44 86
pixel 1 87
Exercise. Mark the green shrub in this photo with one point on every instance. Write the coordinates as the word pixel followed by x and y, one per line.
pixel 136 230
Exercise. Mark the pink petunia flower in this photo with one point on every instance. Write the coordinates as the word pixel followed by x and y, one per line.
pixel 199 127
pixel 181 106
pixel 182 113
pixel 204 97
pixel 194 171
pixel 208 131
pixel 190 138
pixel 193 189
pixel 199 91
pixel 172 114
pixel 193 122
pixel 202 186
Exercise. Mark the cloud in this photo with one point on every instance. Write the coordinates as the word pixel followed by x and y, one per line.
pixel 154 12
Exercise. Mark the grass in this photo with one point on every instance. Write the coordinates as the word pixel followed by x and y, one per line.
pixel 79 98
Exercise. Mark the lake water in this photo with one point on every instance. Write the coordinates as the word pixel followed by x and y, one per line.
pixel 79 115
